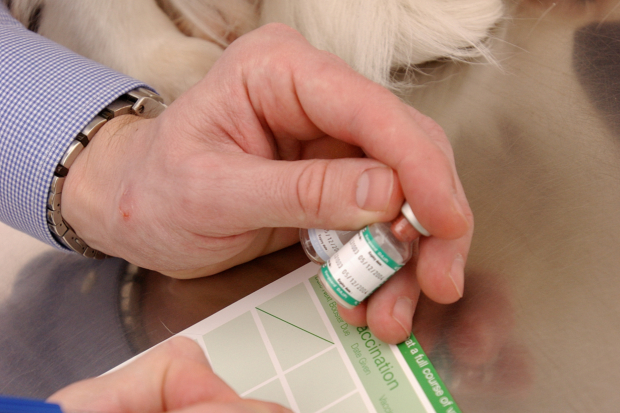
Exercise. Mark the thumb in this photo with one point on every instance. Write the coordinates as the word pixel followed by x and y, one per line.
pixel 319 193
pixel 173 375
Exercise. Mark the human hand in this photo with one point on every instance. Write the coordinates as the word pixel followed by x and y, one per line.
pixel 232 166
pixel 174 376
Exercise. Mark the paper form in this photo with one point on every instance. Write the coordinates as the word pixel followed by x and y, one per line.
pixel 286 343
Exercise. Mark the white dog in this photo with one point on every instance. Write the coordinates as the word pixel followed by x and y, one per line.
pixel 171 44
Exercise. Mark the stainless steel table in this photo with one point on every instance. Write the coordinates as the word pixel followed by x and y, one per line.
pixel 537 142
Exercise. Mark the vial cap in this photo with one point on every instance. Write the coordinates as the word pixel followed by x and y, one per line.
pixel 408 213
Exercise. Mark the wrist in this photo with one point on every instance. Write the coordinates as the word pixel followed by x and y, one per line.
pixel 94 181
pixel 72 196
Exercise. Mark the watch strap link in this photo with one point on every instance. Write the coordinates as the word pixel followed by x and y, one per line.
pixel 141 102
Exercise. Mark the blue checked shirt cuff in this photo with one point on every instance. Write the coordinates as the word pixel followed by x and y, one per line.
pixel 47 95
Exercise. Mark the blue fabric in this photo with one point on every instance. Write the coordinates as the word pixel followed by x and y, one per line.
pixel 47 95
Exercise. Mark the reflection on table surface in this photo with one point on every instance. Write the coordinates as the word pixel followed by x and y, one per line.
pixel 537 145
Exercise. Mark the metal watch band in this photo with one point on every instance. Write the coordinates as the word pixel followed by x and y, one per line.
pixel 141 102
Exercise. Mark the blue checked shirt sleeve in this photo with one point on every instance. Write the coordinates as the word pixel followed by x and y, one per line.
pixel 47 95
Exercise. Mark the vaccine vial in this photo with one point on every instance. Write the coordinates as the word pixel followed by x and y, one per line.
pixel 320 244
pixel 369 258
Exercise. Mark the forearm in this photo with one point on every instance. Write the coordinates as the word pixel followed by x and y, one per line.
pixel 47 95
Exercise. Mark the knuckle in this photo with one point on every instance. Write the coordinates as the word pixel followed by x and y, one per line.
pixel 310 187
pixel 327 61
pixel 278 29
pixel 276 35
pixel 469 216
pixel 438 135
pixel 433 129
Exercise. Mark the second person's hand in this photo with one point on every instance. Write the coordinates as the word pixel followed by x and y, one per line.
pixel 173 376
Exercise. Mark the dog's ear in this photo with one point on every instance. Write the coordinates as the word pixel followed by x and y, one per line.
pixel 27 12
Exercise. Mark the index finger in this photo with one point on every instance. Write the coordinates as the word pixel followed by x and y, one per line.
pixel 362 113
pixel 325 96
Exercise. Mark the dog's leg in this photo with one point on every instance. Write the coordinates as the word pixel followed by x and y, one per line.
pixel 134 37
pixel 219 21
pixel 377 36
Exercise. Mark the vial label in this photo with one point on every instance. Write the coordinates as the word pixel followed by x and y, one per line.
pixel 325 242
pixel 358 268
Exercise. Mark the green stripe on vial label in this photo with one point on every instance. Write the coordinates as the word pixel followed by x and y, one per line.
pixel 380 253
pixel 337 288
pixel 358 268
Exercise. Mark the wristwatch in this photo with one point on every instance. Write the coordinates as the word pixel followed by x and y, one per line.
pixel 141 102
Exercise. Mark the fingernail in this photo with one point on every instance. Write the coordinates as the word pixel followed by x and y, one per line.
pixel 403 313
pixel 458 208
pixel 457 274
pixel 374 189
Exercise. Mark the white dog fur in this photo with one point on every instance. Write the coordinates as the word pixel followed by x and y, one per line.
pixel 171 44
